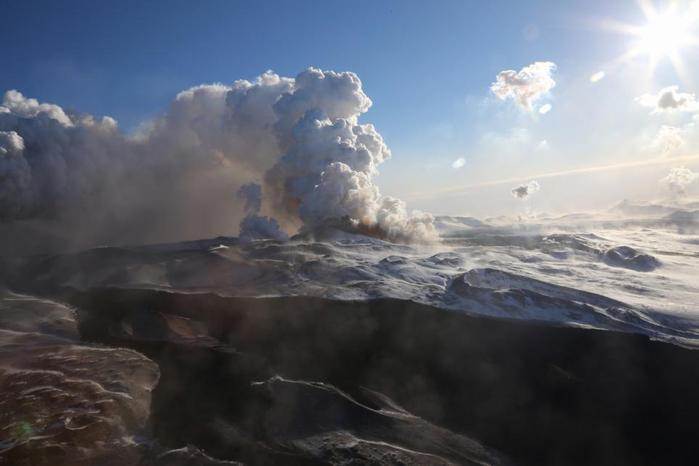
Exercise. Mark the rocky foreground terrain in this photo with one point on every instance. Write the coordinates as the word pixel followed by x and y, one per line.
pixel 543 344
pixel 148 377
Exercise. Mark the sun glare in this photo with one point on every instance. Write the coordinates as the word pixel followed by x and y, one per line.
pixel 665 35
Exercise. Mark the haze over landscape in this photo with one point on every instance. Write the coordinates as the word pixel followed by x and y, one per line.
pixel 349 233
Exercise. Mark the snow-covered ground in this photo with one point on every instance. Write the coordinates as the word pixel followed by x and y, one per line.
pixel 634 268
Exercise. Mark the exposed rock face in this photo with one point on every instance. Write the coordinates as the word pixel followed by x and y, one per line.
pixel 625 256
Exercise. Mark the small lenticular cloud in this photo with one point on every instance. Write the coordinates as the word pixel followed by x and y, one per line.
pixel 525 190
pixel 458 163
pixel 544 109
pixel 597 77
pixel 525 86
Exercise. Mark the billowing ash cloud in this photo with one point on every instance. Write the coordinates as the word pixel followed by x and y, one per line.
pixel 669 100
pixel 15 175
pixel 525 190
pixel 679 179
pixel 327 169
pixel 81 181
pixel 254 226
pixel 525 86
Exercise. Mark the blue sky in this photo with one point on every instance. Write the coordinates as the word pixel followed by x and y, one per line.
pixel 426 65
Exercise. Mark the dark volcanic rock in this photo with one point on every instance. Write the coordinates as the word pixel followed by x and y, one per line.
pixel 625 256
pixel 332 427
pixel 540 394
pixel 384 382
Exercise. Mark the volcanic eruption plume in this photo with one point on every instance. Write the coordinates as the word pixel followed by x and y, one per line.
pixel 80 181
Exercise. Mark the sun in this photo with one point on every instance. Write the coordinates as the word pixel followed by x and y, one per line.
pixel 665 35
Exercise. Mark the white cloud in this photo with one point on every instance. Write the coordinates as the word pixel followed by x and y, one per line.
pixel 668 140
pixel 669 99
pixel 523 191
pixel 544 109
pixel 525 86
pixel 458 163
pixel 679 179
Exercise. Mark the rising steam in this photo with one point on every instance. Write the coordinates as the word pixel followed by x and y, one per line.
pixel 85 182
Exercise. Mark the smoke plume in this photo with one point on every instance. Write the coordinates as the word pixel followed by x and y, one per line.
pixel 74 180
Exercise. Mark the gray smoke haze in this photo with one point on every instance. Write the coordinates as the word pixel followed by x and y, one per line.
pixel 254 226
pixel 74 180
pixel 251 195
